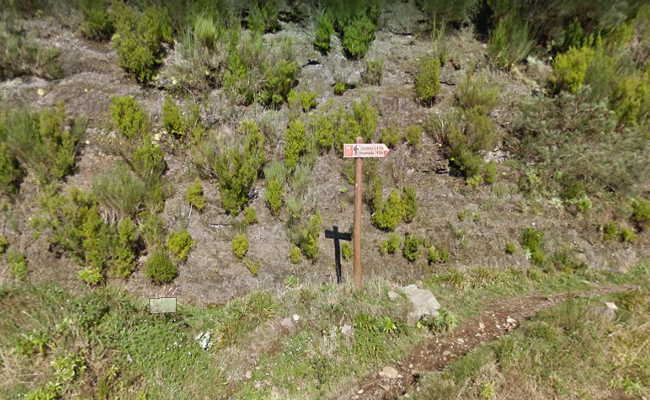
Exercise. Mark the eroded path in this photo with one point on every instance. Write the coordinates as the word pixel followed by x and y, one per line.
pixel 498 320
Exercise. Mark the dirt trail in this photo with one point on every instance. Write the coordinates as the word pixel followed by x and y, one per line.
pixel 498 320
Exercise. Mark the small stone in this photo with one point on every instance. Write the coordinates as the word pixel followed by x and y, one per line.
pixel 347 330
pixel 360 391
pixel 392 295
pixel 389 373
pixel 287 323
pixel 446 353
pixel 40 92
pixel 611 306
pixel 511 320
pixel 481 325
pixel 460 341
pixel 296 317
pixel 249 374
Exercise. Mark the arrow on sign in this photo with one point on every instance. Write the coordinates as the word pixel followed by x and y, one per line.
pixel 365 150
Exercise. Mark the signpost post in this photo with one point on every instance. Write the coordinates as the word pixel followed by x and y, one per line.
pixel 360 151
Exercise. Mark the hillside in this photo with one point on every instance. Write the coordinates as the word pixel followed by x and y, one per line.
pixel 193 149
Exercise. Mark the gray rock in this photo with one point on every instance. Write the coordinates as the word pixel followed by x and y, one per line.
pixel 423 301
pixel 204 340
pixel 607 310
pixel 347 330
pixel 392 295
pixel 287 323
pixel 389 373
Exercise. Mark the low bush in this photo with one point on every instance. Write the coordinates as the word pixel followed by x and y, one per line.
pixel 630 99
pixel 240 246
pixel 92 276
pixel 250 216
pixel 120 192
pixel 532 241
pixel 17 265
pixel 576 148
pixel 160 268
pixel 139 38
pixel 323 33
pixel 373 72
pixel 346 251
pixel 4 244
pixel 21 56
pixel 390 212
pixel 365 115
pixel 179 244
pixel 391 245
pixel 263 16
pixel 437 255
pixel 129 118
pixel 279 79
pixel 275 175
pixel 172 118
pixel 148 162
pixel 448 11
pixel 510 42
pixel 97 22
pixel 305 236
pixel 391 136
pixel 409 202
pixel 413 135
pixel 10 172
pixel 194 195
pixel 510 248
pixel 295 255
pixel 641 213
pixel 302 100
pixel 411 247
pixel 295 144
pixel 570 69
pixel 44 143
pixel 340 88
pixel 427 80
pixel 477 92
pixel 357 36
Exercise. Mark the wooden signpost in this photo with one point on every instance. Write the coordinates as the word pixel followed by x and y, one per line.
pixel 360 151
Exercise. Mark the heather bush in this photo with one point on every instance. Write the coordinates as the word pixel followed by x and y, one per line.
pixel 303 100
pixel 478 92
pixel 129 118
pixel 172 118
pixel 10 172
pixel 17 265
pixel 409 202
pixel 413 135
pixel 427 80
pixel 391 245
pixel 275 175
pixel 295 255
pixel 323 33
pixel 240 246
pixel 97 23
pixel 340 88
pixel 263 16
pixel 411 247
pixel 533 241
pixel 139 38
pixel 44 143
pixel 305 236
pixel 510 42
pixel 641 213
pixel 448 11
pixel 390 212
pixel 148 163
pixel 279 79
pixel 295 144
pixel 120 192
pixel 179 245
pixel 358 34
pixel 21 56
pixel 373 72
pixel 570 69
pixel 194 195
pixel 437 255
pixel 250 216
pixel 391 136
pixel 160 268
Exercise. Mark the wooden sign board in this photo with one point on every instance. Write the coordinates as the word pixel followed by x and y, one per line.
pixel 365 150
pixel 162 305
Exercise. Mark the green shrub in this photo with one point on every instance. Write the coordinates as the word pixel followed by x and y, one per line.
pixel 574 143
pixel 17 265
pixel 570 69
pixel 427 80
pixel 124 261
pixel 357 36
pixel 10 172
pixel 411 247
pixel 409 203
pixel 295 144
pixel 263 17
pixel 237 168
pixel 510 42
pixel 253 266
pixel 627 235
pixel 391 136
pixel 279 79
pixel 129 118
pixel 510 248
pixel 44 143
pixel 4 244
pixel 240 246
pixel 120 192
pixel 152 228
pixel 346 251
pixel 448 11
pixel 414 135
pixel 477 92
pixel 21 56
pixel 148 162
pixel 48 392
pixel 160 268
pixel 194 195
pixel 139 39
pixel 275 175
pixel 365 115
pixel 323 33
pixel 340 88
pixel 630 99
pixel 373 72
pixel 445 321
pixel 304 100
pixel 389 213
pixel 250 216
pixel 97 23
pixel 436 255
pixel 172 119
pixel 91 275
pixel 295 255
pixel 179 244
pixel 533 241
pixel 641 213
pixel 390 245
pixel 306 237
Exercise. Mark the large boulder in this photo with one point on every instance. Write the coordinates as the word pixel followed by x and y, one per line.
pixel 423 301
